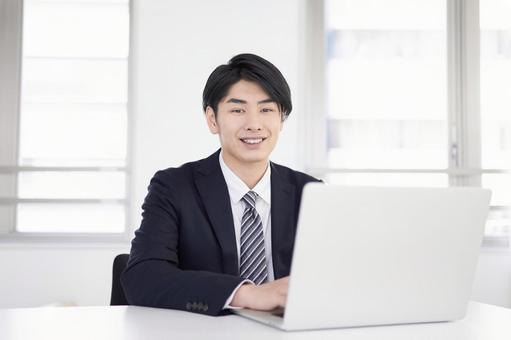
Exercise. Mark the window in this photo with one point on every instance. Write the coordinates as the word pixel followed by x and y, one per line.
pixel 403 80
pixel 496 110
pixel 386 89
pixel 69 172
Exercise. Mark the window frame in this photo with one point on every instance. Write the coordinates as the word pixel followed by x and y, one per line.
pixel 463 87
pixel 11 19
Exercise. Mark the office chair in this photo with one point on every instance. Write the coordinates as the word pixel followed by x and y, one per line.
pixel 118 298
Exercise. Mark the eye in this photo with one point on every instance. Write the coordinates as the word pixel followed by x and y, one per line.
pixel 267 110
pixel 236 111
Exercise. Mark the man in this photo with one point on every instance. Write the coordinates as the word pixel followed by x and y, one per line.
pixel 218 233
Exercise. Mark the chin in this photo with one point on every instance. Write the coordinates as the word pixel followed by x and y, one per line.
pixel 255 158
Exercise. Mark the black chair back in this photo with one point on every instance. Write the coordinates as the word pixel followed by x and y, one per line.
pixel 118 298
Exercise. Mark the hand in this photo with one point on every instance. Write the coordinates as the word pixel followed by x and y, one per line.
pixel 267 296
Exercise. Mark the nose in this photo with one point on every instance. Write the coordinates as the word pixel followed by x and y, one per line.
pixel 253 121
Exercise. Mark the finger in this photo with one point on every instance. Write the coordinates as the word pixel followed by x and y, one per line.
pixel 282 301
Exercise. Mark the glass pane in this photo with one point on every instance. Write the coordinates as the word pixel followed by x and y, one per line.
pixel 352 141
pixel 495 85
pixel 499 218
pixel 499 222
pixel 73 135
pixel 77 29
pixel 70 218
pixel 73 112
pixel 386 83
pixel 388 179
pixel 74 80
pixel 71 185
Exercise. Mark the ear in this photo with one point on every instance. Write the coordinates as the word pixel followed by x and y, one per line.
pixel 211 120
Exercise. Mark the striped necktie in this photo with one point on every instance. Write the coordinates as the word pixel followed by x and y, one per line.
pixel 253 257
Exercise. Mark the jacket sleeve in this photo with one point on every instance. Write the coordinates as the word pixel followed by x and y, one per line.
pixel 153 278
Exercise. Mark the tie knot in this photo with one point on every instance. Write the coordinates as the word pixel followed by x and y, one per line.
pixel 250 199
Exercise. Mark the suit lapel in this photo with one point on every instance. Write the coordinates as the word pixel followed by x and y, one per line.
pixel 282 222
pixel 215 196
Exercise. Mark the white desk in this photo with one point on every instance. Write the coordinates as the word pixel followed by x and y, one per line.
pixel 483 322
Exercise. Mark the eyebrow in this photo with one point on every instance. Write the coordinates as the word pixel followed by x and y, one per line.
pixel 241 101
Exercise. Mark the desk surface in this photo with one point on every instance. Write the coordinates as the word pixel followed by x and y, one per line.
pixel 483 322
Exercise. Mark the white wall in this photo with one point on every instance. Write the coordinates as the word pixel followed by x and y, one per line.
pixel 37 275
pixel 176 44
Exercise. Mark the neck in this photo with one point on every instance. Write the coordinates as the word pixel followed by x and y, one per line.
pixel 250 173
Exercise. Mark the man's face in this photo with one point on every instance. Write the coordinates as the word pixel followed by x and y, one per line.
pixel 248 123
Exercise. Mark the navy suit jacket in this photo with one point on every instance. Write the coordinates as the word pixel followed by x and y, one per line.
pixel 184 254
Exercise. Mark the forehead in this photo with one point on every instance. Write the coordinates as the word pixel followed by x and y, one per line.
pixel 246 90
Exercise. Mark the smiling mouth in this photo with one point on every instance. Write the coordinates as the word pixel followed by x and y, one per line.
pixel 252 141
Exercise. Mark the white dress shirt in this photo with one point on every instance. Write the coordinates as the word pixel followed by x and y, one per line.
pixel 237 189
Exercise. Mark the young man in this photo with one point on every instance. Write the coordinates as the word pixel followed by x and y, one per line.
pixel 218 233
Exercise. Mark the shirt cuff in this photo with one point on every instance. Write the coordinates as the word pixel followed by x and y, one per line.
pixel 227 304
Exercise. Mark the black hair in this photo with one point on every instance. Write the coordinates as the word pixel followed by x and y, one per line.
pixel 249 67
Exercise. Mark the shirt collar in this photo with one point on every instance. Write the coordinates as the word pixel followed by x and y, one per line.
pixel 237 188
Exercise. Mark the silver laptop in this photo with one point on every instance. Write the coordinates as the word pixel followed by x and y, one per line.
pixel 374 256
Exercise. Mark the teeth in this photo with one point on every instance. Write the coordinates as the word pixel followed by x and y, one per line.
pixel 252 140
